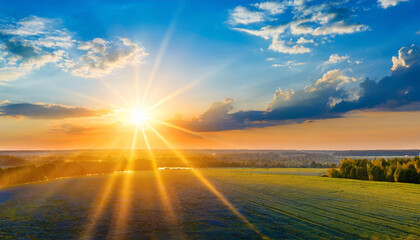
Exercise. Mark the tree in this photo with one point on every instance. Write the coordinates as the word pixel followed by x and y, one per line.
pixel 361 173
pixel 334 173
pixel 376 173
pixel 353 172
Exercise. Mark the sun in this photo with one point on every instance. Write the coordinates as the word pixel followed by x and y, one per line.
pixel 138 116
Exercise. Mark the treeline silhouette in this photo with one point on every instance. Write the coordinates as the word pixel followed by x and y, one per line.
pixel 392 170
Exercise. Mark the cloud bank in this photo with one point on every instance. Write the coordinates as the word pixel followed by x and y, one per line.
pixel 46 111
pixel 32 42
pixel 331 96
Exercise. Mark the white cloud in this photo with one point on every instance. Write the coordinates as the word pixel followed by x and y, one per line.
pixel 407 57
pixel 332 88
pixel 29 44
pixel 103 57
pixel 37 31
pixel 303 40
pixel 389 3
pixel 21 68
pixel 318 20
pixel 241 15
pixel 4 102
pixel 300 30
pixel 289 64
pixel 335 58
pixel 33 42
pixel 280 46
pixel 340 28
pixel 272 7
pixel 280 98
pixel 218 110
pixel 333 78
pixel 270 59
pixel 265 32
pixel 254 13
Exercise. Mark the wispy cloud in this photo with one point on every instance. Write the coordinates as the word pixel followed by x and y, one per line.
pixel 69 129
pixel 289 64
pixel 272 8
pixel 241 15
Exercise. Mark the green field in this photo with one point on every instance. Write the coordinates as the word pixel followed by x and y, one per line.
pixel 280 203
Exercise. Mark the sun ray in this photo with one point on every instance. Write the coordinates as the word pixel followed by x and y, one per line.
pixel 160 54
pixel 123 208
pixel 90 98
pixel 192 84
pixel 195 133
pixel 174 94
pixel 206 183
pixel 162 189
pixel 101 202
pixel 180 128
pixel 97 211
pixel 115 92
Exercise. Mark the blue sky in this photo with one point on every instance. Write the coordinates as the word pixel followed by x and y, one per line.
pixel 242 50
pixel 203 37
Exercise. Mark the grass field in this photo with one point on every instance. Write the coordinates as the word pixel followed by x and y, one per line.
pixel 280 203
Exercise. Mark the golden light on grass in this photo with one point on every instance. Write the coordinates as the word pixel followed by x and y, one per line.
pixel 162 189
pixel 122 211
pixel 100 203
pixel 210 186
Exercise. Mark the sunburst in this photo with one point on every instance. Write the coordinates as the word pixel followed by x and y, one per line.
pixel 140 118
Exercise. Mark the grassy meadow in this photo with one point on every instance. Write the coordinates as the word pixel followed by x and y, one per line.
pixel 280 203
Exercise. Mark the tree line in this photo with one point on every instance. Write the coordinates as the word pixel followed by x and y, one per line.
pixel 53 169
pixel 60 169
pixel 392 170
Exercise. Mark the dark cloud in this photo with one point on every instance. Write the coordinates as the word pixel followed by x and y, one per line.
pixel 393 92
pixel 216 118
pixel 47 111
pixel 331 96
pixel 20 49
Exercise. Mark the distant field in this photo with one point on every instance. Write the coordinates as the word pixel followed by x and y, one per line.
pixel 280 203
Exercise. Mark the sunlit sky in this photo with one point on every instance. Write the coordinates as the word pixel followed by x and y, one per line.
pixel 210 74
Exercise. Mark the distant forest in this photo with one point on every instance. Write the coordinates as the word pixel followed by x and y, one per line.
pixel 18 169
pixel 34 168
pixel 392 170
